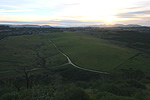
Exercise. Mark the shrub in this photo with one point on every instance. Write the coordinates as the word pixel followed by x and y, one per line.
pixel 102 94
pixel 11 96
pixel 136 84
pixel 111 88
pixel 72 93
pixel 140 96
pixel 83 85
pixel 126 89
pixel 40 92
pixel 110 96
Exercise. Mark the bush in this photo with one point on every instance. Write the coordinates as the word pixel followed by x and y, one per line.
pixel 111 88
pixel 83 85
pixel 72 93
pixel 102 94
pixel 134 74
pixel 126 89
pixel 140 96
pixel 121 89
pixel 40 92
pixel 110 96
pixel 11 96
pixel 136 84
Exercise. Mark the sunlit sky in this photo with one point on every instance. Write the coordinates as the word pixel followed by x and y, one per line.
pixel 74 12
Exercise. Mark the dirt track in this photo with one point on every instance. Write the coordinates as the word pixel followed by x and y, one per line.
pixel 70 62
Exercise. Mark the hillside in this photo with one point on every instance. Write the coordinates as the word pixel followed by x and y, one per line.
pixel 32 67
pixel 32 51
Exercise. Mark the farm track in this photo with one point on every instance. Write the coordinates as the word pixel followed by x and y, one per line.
pixel 70 62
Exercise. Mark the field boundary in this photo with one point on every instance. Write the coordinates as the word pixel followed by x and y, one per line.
pixel 127 60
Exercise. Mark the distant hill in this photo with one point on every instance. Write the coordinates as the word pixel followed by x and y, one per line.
pixel 103 25
pixel 29 26
pixel 118 25
pixel 45 26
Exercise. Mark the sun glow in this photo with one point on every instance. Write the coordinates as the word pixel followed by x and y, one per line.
pixel 74 12
pixel 109 19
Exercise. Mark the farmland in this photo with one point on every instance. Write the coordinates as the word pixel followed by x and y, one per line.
pixel 97 54
pixel 88 52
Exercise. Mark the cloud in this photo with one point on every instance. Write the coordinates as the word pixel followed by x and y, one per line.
pixel 142 12
pixel 73 12
pixel 141 21
pixel 135 14
pixel 71 4
pixel 52 22
pixel 13 22
pixel 125 15
pixel 23 10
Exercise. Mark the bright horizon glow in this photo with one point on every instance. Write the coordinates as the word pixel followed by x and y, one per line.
pixel 75 12
pixel 109 19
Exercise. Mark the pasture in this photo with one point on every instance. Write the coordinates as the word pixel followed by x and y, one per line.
pixel 35 51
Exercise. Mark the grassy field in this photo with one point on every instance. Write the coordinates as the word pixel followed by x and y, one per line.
pixel 35 51
pixel 28 52
pixel 98 54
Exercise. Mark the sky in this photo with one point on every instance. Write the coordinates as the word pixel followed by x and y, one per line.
pixel 74 12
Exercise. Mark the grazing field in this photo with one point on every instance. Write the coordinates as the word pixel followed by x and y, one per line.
pixel 99 54
pixel 35 51
pixel 28 52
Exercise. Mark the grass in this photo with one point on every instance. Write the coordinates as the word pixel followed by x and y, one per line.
pixel 19 52
pixel 85 51
pixel 96 54
pixel 140 62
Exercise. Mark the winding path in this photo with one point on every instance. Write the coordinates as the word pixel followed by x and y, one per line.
pixel 70 62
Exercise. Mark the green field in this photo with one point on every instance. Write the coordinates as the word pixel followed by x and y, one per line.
pixel 35 51
pixel 28 52
pixel 98 54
